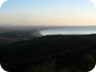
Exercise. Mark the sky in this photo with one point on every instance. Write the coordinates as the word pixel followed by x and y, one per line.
pixel 48 13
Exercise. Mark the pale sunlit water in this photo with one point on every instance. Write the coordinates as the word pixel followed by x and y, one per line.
pixel 68 31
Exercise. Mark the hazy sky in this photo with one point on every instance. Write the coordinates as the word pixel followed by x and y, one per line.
pixel 48 12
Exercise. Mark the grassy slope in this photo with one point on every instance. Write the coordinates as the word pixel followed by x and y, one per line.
pixel 74 52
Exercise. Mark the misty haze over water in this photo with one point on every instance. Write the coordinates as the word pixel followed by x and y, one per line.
pixel 52 30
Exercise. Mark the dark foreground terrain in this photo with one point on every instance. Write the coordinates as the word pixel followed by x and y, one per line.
pixel 54 53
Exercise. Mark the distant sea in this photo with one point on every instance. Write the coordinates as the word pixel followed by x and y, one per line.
pixel 69 31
